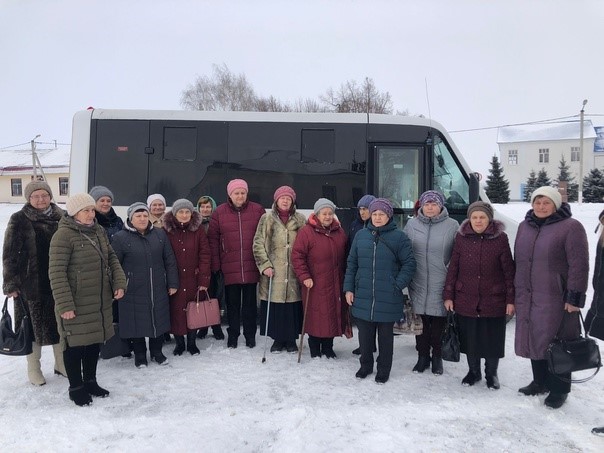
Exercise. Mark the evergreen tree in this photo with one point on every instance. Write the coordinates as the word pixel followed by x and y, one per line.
pixel 593 187
pixel 542 179
pixel 531 185
pixel 498 188
pixel 564 175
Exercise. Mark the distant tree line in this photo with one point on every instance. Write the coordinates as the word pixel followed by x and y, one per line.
pixel 225 91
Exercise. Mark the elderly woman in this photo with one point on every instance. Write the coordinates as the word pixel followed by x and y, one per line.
pixel 319 260
pixel 25 270
pixel 147 259
pixel 157 208
pixel 85 276
pixel 273 243
pixel 432 233
pixel 190 245
pixel 552 266
pixel 231 234
pixel 380 266
pixel 105 215
pixel 480 288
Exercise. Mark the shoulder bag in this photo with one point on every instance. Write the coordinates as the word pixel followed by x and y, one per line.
pixel 203 313
pixel 19 341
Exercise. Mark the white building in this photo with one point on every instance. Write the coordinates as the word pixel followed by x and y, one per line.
pixel 541 146
pixel 16 171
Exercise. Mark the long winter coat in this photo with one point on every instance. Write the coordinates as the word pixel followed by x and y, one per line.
pixel 191 249
pixel 380 265
pixel 231 235
pixel 273 244
pixel 320 254
pixel 552 266
pixel 432 239
pixel 84 282
pixel 111 222
pixel 150 267
pixel 25 267
pixel 480 279
pixel 594 321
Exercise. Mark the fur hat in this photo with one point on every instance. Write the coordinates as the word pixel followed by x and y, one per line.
pixel 134 207
pixel 284 191
pixel 481 206
pixel 432 196
pixel 323 203
pixel 36 185
pixel 155 196
pixel 365 201
pixel 182 203
pixel 235 184
pixel 77 202
pixel 100 191
pixel 549 192
pixel 382 204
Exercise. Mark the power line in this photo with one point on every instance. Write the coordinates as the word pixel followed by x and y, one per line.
pixel 515 124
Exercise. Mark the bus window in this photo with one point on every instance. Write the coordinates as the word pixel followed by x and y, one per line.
pixel 398 174
pixel 448 178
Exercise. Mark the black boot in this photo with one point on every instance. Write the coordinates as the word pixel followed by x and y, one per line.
pixel 381 378
pixel 437 365
pixel 250 342
pixel 180 344
pixel 363 372
pixel 327 348
pixel 423 362
pixel 277 347
pixel 490 372
pixel 291 347
pixel 555 400
pixel 191 346
pixel 218 333
pixel 95 389
pixel 232 342
pixel 493 382
pixel 598 431
pixel 155 351
pixel 474 375
pixel 80 396
pixel 533 389
pixel 314 344
pixel 202 333
pixel 167 337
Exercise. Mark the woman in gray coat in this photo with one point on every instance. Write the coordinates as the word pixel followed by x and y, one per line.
pixel 147 258
pixel 552 266
pixel 432 234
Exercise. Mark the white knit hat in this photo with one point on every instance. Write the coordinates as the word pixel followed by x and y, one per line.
pixel 77 202
pixel 155 196
pixel 549 192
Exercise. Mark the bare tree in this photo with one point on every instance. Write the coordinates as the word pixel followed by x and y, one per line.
pixel 355 98
pixel 271 104
pixel 308 105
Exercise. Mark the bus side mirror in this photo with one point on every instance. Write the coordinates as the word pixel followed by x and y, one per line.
pixel 474 188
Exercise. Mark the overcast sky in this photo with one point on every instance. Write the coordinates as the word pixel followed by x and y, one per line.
pixel 486 63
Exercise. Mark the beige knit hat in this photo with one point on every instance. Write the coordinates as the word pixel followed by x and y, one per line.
pixel 36 185
pixel 77 202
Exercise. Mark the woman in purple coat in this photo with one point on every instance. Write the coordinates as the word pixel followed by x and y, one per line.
pixel 480 287
pixel 552 265
pixel 319 260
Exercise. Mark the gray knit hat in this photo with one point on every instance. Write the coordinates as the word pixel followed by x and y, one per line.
pixel 182 203
pixel 77 202
pixel 36 185
pixel 483 207
pixel 134 207
pixel 323 203
pixel 100 191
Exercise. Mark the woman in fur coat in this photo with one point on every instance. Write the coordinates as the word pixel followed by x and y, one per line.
pixel 25 269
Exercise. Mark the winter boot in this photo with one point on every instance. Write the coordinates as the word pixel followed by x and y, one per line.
pixel 191 346
pixel 314 344
pixel 277 347
pixel 598 431
pixel 493 382
pixel 533 389
pixel 218 333
pixel 363 372
pixel 180 344
pixel 381 378
pixel 291 347
pixel 34 369
pixel 80 396
pixel 202 333
pixel 59 362
pixel 357 351
pixel 327 348
pixel 474 375
pixel 555 400
pixel 140 360
pixel 437 365
pixel 490 372
pixel 95 389
pixel 250 342
pixel 167 337
pixel 155 352
pixel 423 362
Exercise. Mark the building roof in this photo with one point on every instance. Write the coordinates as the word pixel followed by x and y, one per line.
pixel 568 130
pixel 55 160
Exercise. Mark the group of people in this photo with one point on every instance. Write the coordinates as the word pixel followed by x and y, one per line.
pixel 83 270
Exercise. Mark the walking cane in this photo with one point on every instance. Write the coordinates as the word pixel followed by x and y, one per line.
pixel 268 308
pixel 303 326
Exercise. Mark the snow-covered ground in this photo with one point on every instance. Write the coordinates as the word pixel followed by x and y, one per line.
pixel 228 400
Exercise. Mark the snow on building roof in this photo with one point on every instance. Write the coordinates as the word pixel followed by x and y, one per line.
pixel 21 160
pixel 568 130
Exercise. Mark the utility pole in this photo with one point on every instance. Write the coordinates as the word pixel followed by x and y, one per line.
pixel 34 158
pixel 580 198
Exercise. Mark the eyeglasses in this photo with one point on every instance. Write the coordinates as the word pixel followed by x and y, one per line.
pixel 40 197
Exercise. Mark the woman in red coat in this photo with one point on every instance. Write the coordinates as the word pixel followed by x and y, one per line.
pixel 192 251
pixel 319 260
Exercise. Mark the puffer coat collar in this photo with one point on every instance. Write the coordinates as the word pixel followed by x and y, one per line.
pixel 561 214
pixel 494 229
pixel 171 224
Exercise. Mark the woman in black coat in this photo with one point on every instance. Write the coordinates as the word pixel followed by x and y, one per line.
pixel 148 261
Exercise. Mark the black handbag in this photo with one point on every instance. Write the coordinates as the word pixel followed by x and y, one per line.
pixel 450 340
pixel 567 356
pixel 115 346
pixel 19 341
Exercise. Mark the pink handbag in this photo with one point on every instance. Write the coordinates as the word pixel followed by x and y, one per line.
pixel 203 313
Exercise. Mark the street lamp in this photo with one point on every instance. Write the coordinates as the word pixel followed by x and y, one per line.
pixel 33 156
pixel 580 195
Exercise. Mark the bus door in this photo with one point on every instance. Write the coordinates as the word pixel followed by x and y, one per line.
pixel 397 176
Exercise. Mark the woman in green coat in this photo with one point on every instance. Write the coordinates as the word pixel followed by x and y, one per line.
pixel 85 276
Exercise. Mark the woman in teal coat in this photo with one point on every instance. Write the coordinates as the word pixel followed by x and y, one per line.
pixel 380 265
